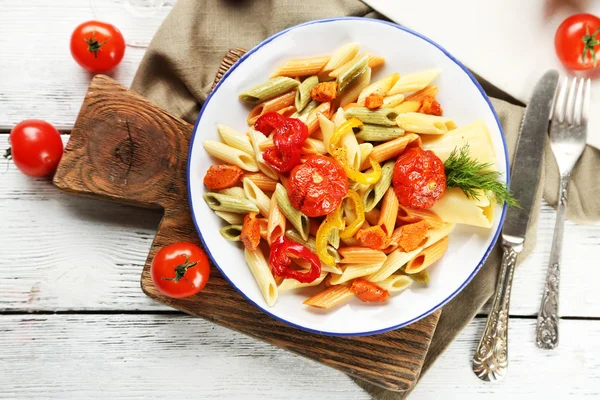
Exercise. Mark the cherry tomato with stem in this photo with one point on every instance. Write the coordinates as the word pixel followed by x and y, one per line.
pixel 577 41
pixel 36 147
pixel 180 270
pixel 97 46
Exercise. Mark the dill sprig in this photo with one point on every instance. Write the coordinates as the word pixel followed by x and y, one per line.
pixel 471 175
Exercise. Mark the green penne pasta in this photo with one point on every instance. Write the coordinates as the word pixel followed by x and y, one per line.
pixel 334 238
pixel 299 220
pixel 303 93
pixel 419 277
pixel 353 71
pixel 231 232
pixel 307 110
pixel 378 133
pixel 381 116
pixel 311 244
pixel 224 202
pixel 269 89
pixel 375 193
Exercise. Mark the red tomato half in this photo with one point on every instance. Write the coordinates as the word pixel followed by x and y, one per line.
pixel 180 270
pixel 97 46
pixel 36 147
pixel 419 178
pixel 577 41
pixel 318 186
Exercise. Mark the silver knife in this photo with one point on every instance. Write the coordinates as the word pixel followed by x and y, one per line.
pixel 490 361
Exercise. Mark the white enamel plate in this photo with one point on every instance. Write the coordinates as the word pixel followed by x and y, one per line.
pixel 405 51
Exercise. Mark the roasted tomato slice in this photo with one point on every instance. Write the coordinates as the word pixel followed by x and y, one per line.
pixel 318 186
pixel 419 178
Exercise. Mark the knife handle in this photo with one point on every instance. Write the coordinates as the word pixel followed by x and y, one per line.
pixel 546 332
pixel 490 361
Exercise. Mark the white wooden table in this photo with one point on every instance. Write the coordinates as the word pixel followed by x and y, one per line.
pixel 75 324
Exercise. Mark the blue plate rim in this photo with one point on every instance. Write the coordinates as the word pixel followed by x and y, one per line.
pixel 453 294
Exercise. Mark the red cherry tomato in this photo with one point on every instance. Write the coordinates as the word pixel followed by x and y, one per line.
pixel 318 186
pixel 180 270
pixel 97 46
pixel 577 41
pixel 288 136
pixel 36 147
pixel 419 178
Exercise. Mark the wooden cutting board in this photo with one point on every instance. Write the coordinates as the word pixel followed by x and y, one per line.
pixel 125 149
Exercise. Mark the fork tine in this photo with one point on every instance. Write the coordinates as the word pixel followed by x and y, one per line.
pixel 585 109
pixel 570 102
pixel 578 107
pixel 561 99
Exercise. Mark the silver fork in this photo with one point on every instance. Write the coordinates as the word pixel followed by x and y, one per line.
pixel 568 135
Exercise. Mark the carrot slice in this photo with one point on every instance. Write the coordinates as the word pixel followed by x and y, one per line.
pixel 324 92
pixel 431 106
pixel 412 235
pixel 373 101
pixel 222 176
pixel 250 235
pixel 368 291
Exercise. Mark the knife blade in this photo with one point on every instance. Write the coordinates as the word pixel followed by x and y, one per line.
pixel 527 162
pixel 490 362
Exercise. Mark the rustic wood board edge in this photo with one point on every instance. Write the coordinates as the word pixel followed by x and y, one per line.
pixel 124 168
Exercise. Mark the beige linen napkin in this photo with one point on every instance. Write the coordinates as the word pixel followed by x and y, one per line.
pixel 182 61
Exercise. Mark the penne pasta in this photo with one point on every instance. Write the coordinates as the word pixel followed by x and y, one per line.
pixel 385 151
pixel 223 202
pixel 380 87
pixel 230 218
pixel 234 191
pixel 456 207
pixel 287 111
pixel 396 283
pixel 312 121
pixel 394 261
pixel 427 91
pixel 376 61
pixel 372 217
pixel 256 138
pixel 296 218
pixel 341 56
pixel 230 155
pixel 235 139
pixel 427 256
pixel 324 267
pixel 360 255
pixel 262 274
pixel 424 123
pixel 302 96
pixel 352 71
pixel 278 103
pixel 381 116
pixel 268 90
pixel 276 222
pixel 408 216
pixel 378 133
pixel 265 183
pixel 327 129
pixel 302 66
pixel 393 101
pixel 231 232
pixel 330 297
pixel 310 244
pixel 290 284
pixel 313 146
pixel 365 150
pixel 348 140
pixel 389 212
pixel 414 82
pixel 374 193
pixel 351 93
pixel 408 106
pixel 353 271
pixel 257 196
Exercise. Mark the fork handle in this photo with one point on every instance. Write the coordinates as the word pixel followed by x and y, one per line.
pixel 547 323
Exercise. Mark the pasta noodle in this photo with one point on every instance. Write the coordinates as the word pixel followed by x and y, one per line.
pixel 256 138
pixel 296 218
pixel 396 283
pixel 424 123
pixel 380 87
pixel 428 91
pixel 261 180
pixel 268 90
pixel 353 271
pixel 276 222
pixel 302 96
pixel 230 218
pixel 231 232
pixel 275 104
pixel 456 207
pixel 230 155
pixel 414 82
pixel 302 66
pixel 427 256
pixel 385 151
pixel 262 274
pixel 360 255
pixel 235 139
pixel 389 212
pixel 378 133
pixel 257 196
pixel 408 106
pixel 409 216
pixel 330 297
pixel 373 195
pixel 223 202
pixel 290 284
pixel 393 101
pixel 341 56
pixel 381 116
pixel 353 70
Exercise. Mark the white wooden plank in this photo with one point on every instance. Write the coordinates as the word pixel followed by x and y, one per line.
pixel 38 76
pixel 60 252
pixel 148 356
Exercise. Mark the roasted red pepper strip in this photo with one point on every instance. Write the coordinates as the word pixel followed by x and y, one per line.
pixel 289 134
pixel 281 250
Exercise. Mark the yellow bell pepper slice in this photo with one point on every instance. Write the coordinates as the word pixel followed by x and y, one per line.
pixel 332 221
pixel 341 130
pixel 359 208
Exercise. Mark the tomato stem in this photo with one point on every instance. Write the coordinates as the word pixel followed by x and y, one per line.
pixel 181 270
pixel 8 154
pixel 93 45
pixel 589 42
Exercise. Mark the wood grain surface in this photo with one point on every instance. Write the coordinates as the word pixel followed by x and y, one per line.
pixel 124 149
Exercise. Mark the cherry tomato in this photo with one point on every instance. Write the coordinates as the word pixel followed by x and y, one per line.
pixel 97 46
pixel 577 41
pixel 419 178
pixel 318 186
pixel 288 136
pixel 180 270
pixel 36 147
